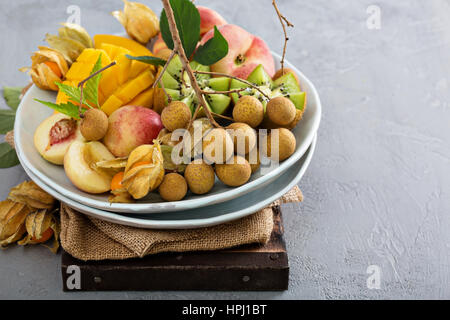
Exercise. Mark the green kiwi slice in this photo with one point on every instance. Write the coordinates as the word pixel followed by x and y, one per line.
pixel 285 86
pixel 182 90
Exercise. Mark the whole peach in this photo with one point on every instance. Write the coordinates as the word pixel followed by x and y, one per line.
pixel 245 52
pixel 130 127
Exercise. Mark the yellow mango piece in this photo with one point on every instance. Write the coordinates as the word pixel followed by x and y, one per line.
pixel 143 99
pixel 79 71
pixel 112 104
pixel 90 56
pixel 109 82
pixel 110 49
pixel 124 67
pixel 137 68
pixel 61 97
pixel 133 87
pixel 135 47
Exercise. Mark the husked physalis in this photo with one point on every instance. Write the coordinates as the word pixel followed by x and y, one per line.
pixel 12 218
pixel 41 225
pixel 48 66
pixel 143 173
pixel 71 40
pixel 140 22
pixel 28 215
pixel 30 194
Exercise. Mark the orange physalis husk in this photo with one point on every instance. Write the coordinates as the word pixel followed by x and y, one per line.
pixel 141 180
pixel 12 218
pixel 48 66
pixel 37 225
pixel 140 22
pixel 31 194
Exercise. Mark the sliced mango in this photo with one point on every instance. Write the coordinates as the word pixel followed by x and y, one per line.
pixel 137 68
pixel 79 71
pixel 132 88
pixel 135 47
pixel 128 91
pixel 112 104
pixel 143 99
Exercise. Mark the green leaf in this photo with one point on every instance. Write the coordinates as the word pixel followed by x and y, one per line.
pixel 187 19
pixel 213 50
pixel 148 59
pixel 11 95
pixel 73 93
pixel 7 118
pixel 68 109
pixel 8 156
pixel 90 90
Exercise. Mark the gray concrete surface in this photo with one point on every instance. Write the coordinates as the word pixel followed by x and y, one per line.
pixel 377 192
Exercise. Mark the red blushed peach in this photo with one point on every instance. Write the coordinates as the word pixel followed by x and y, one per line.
pixel 130 127
pixel 245 52
pixel 208 19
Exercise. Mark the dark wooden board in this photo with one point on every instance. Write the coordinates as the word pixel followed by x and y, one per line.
pixel 247 268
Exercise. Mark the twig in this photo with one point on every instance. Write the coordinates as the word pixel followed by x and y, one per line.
pixel 178 48
pixel 236 78
pixel 224 92
pixel 222 116
pixel 284 22
pixel 172 54
pixel 81 84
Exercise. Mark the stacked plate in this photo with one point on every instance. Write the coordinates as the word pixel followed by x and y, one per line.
pixel 221 205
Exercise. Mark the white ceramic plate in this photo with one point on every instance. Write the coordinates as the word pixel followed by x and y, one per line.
pixel 201 217
pixel 31 113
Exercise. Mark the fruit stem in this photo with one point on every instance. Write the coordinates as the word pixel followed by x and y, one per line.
pixel 81 84
pixel 224 92
pixel 172 54
pixel 178 48
pixel 284 22
pixel 235 78
pixel 222 116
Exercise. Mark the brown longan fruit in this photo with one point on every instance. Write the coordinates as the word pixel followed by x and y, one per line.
pixel 248 110
pixel 173 187
pixel 242 133
pixel 281 111
pixel 251 156
pixel 212 142
pixel 94 124
pixel 287 144
pixel 199 177
pixel 236 173
pixel 176 116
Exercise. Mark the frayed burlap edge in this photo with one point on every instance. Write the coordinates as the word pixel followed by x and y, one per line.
pixel 87 238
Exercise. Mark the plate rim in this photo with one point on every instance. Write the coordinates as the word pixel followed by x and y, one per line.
pixel 186 204
pixel 188 223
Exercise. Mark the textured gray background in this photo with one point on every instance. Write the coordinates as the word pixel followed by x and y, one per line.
pixel 377 191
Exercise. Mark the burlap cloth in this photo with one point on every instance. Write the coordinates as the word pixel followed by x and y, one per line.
pixel 88 238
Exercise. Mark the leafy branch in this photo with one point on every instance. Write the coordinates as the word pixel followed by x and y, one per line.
pixel 178 49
